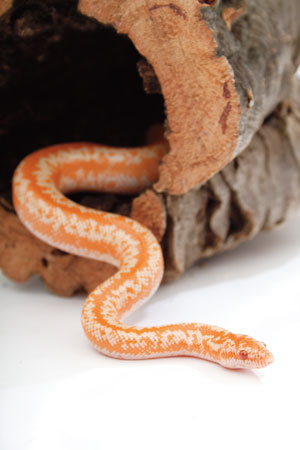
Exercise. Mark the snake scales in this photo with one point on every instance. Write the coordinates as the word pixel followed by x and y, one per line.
pixel 39 183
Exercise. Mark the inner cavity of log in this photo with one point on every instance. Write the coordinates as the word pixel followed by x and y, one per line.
pixel 94 90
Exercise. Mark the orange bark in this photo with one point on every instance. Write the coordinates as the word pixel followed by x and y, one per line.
pixel 222 67
pixel 5 5
pixel 202 104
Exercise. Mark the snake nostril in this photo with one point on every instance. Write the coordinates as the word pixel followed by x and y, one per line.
pixel 243 355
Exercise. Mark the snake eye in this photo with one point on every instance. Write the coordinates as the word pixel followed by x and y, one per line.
pixel 243 355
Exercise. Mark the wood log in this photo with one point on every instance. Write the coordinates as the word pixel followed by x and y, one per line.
pixel 257 191
pixel 4 6
pixel 222 66
pixel 246 54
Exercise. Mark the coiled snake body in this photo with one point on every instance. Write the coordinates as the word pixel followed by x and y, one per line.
pixel 38 184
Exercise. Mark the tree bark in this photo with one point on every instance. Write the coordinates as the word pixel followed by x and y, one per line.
pixel 257 191
pixel 219 78
pixel 4 6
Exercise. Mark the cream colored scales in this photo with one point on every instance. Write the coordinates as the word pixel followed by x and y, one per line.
pixel 38 186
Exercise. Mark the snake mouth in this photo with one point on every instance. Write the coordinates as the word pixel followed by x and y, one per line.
pixel 266 359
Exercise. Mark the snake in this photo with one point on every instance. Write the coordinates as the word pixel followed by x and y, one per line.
pixel 41 184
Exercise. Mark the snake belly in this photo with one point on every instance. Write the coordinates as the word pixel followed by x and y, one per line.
pixel 40 183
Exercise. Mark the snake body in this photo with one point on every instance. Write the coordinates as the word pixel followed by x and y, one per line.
pixel 39 184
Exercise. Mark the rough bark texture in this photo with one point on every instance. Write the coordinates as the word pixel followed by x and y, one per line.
pixel 257 191
pixel 65 77
pixel 218 82
pixel 22 255
pixel 4 6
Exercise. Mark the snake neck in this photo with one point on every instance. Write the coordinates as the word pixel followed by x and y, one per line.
pixel 102 319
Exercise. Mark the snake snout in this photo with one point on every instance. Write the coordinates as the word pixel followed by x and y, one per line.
pixel 266 358
pixel 257 357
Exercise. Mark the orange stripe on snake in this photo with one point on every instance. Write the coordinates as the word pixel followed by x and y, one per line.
pixel 39 184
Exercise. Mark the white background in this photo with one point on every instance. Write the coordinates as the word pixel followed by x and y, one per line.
pixel 58 393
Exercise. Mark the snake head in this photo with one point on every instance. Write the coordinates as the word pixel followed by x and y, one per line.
pixel 243 352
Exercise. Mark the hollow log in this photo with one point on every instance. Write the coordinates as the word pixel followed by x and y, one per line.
pixel 221 75
pixel 222 66
pixel 257 191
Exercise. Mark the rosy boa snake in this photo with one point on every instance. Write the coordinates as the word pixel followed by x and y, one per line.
pixel 38 184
